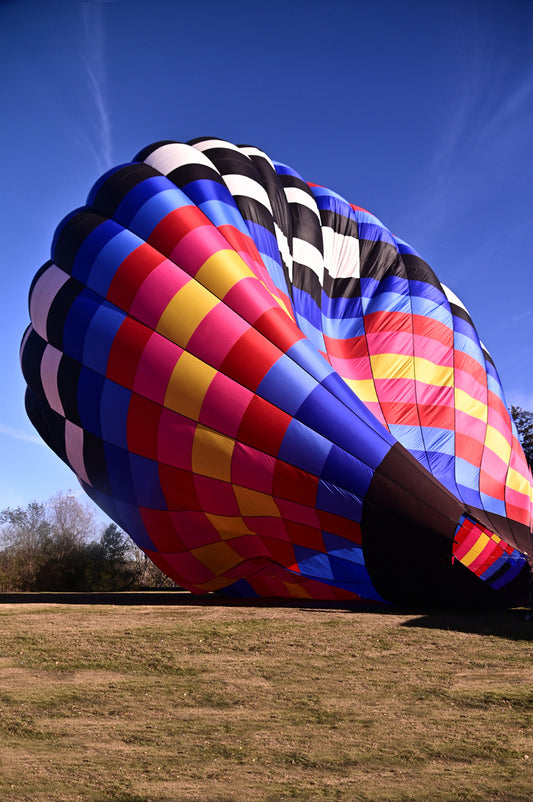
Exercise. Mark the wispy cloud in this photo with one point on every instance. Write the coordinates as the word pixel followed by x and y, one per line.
pixel 95 68
pixel 20 434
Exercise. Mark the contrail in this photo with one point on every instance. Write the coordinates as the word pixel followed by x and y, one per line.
pixel 20 434
pixel 94 64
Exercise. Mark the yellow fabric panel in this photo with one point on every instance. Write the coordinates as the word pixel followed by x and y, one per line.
pixel 188 385
pixel 218 557
pixel 296 590
pixel 363 388
pixel 402 366
pixel 430 373
pixel 519 483
pixel 476 549
pixel 222 271
pixel 254 503
pixel 496 441
pixel 471 406
pixel 185 311
pixel 228 526
pixel 392 366
pixel 212 453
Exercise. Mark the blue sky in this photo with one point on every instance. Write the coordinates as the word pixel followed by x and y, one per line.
pixel 421 112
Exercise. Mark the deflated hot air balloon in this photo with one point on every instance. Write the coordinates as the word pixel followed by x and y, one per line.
pixel 272 394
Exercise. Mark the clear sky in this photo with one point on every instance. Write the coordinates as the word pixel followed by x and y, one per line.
pixel 419 110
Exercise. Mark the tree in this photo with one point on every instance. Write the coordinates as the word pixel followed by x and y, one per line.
pixel 524 424
pixel 25 533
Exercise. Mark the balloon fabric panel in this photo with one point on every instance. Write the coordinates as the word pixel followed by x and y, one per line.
pixel 271 393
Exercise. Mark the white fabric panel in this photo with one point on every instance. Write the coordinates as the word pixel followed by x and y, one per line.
pixel 341 254
pixel 283 247
pixel 215 143
pixel 452 297
pixel 243 185
pixel 44 292
pixel 170 157
pixel 296 195
pixel 251 151
pixel 74 449
pixel 306 254
pixel 49 367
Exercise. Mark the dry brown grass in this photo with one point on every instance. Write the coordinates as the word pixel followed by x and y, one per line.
pixel 245 704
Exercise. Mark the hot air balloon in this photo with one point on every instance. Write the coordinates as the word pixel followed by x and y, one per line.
pixel 272 394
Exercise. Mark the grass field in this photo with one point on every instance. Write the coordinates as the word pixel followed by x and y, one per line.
pixel 221 703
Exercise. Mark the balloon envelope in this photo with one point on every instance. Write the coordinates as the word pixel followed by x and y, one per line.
pixel 271 393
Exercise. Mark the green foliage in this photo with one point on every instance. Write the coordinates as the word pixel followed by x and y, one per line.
pixel 56 546
pixel 524 424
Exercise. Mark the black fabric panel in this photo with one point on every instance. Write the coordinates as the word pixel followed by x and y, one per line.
pixel 49 424
pixel 68 375
pixel 73 232
pixel 408 524
pixel 59 309
pixel 145 152
pixel 342 287
pixel 31 358
pixel 418 270
pixel 304 279
pixel 120 182
pixel 377 258
pixel 188 173
pixel 339 223
pixel 95 463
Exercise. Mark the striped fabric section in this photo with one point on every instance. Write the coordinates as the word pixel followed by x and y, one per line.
pixel 226 355
pixel 486 554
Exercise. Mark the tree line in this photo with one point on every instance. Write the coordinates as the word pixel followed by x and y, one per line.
pixel 58 546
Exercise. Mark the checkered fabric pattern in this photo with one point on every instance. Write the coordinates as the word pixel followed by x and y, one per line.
pixel 226 355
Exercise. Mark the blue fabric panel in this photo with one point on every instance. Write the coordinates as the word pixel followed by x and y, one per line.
pixel 409 436
pixel 222 214
pixel 115 401
pixel 469 495
pixel 145 476
pixel 374 233
pixel 77 323
pixel 304 448
pixel 100 336
pixel 492 504
pixel 241 589
pixel 342 547
pixel 286 385
pixel 129 518
pixel 284 169
pixel 513 570
pixel 348 472
pixel 89 392
pixel 306 307
pixel 133 201
pixel 349 570
pixel 118 468
pixel 468 346
pixel 428 308
pixel 331 498
pixel 91 247
pixel 387 302
pixel 466 473
pixel 109 260
pixel 156 209
pixel 341 308
pixel 306 356
pixel 312 563
pixel 313 334
pixel 339 425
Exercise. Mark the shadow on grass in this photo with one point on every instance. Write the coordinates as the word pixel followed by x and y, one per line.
pixel 512 624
